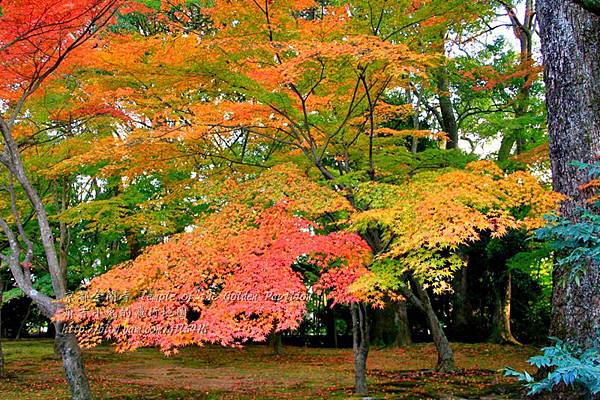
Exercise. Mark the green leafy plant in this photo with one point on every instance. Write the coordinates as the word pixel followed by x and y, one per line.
pixel 577 245
pixel 577 242
pixel 569 364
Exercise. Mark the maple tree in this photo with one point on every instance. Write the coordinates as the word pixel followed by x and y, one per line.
pixel 36 37
pixel 230 281
pixel 426 222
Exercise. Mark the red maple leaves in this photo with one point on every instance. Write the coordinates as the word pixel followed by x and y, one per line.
pixel 37 35
pixel 218 284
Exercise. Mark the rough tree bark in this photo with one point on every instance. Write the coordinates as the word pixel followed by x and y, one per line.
pixel 570 33
pixel 360 345
pixel 571 49
pixel 70 352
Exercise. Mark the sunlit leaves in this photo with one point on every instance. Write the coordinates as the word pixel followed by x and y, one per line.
pixel 428 219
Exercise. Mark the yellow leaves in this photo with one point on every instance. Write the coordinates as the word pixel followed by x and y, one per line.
pixel 485 167
pixel 427 219
pixel 386 112
pixel 537 155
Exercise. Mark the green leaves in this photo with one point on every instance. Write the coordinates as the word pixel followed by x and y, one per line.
pixel 576 242
pixel 568 365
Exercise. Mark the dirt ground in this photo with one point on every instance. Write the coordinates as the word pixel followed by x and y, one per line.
pixel 255 373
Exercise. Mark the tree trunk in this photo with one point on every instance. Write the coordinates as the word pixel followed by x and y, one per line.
pixel 11 159
pixel 416 122
pixel 506 146
pixel 501 332
pixel 72 363
pixel 64 238
pixel 570 37
pixel 2 370
pixel 360 346
pixel 461 307
pixel 445 361
pixel 332 334
pixel 449 122
pixel 571 48
pixel 24 321
pixel 277 343
pixel 403 337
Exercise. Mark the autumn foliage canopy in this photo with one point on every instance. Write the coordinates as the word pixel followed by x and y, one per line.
pixel 235 278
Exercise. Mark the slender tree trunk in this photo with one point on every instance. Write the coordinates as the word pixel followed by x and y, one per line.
pixel 277 343
pixel 72 364
pixel 2 369
pixel 403 337
pixel 422 301
pixel 63 256
pixel 501 331
pixel 445 362
pixel 360 346
pixel 523 30
pixel 570 36
pixel 416 122
pixel 24 321
pixel 11 158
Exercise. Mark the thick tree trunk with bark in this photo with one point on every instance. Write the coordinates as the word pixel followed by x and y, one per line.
pixel 277 343
pixel 570 33
pixel 332 334
pixel 571 49
pixel 360 345
pixel 461 308
pixel 389 325
pixel 501 331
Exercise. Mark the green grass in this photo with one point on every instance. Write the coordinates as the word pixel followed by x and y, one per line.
pixel 254 373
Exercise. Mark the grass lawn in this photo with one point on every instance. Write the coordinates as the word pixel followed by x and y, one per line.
pixel 255 373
